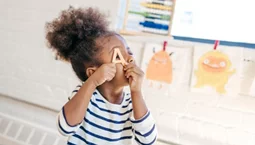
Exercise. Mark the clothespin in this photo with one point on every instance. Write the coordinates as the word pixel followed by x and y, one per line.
pixel 164 45
pixel 216 44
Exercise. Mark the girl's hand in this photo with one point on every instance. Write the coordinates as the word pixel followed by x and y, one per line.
pixel 135 76
pixel 105 72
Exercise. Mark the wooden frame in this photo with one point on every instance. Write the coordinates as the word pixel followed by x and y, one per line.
pixel 124 31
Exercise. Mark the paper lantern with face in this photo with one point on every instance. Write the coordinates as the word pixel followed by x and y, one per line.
pixel 160 67
pixel 214 70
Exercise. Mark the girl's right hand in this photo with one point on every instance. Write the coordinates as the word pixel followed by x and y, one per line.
pixel 105 72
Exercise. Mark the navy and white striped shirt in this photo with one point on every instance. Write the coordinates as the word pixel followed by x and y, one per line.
pixel 109 124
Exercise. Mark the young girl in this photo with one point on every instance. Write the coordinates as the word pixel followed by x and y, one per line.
pixel 99 111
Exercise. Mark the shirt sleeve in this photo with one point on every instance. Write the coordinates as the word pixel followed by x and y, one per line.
pixel 144 129
pixel 63 127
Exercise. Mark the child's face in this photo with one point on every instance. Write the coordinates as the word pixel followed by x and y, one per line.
pixel 106 55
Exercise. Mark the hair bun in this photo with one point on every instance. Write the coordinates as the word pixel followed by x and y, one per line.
pixel 73 26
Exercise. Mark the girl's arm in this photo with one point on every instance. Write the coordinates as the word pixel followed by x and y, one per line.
pixel 135 76
pixel 73 112
pixel 143 124
pixel 139 106
pixel 145 130
pixel 75 109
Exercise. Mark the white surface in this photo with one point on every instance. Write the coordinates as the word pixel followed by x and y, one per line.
pixel 248 72
pixel 252 89
pixel 229 20
pixel 28 69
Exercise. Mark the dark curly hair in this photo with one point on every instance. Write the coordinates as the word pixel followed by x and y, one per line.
pixel 73 34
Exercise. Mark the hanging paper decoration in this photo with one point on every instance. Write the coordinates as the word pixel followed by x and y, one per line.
pixel 214 69
pixel 160 67
pixel 164 67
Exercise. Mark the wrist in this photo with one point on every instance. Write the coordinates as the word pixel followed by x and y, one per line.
pixel 92 82
pixel 136 93
pixel 136 90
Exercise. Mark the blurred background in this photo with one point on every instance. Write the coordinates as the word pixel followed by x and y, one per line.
pixel 189 106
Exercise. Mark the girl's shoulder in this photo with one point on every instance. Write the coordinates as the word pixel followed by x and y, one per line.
pixel 77 88
pixel 74 91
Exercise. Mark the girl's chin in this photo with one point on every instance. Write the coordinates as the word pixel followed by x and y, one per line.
pixel 123 82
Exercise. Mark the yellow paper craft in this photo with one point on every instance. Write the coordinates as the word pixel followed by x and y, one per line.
pixel 214 69
pixel 160 67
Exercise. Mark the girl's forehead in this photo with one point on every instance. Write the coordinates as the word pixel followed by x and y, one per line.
pixel 112 41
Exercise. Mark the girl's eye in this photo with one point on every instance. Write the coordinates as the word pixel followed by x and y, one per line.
pixel 129 51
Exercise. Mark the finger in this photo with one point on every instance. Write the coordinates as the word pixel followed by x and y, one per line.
pixel 136 70
pixel 112 72
pixel 132 70
pixel 108 67
pixel 111 68
pixel 129 70
pixel 140 71
pixel 110 76
pixel 109 79
pixel 130 65
pixel 112 65
pixel 131 74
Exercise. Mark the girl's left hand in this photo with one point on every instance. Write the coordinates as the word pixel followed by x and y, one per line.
pixel 135 77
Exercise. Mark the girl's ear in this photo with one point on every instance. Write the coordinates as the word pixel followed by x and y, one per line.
pixel 90 71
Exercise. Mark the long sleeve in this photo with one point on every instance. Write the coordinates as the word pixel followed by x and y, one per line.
pixel 144 129
pixel 63 127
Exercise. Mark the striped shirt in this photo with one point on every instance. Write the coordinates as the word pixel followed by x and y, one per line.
pixel 108 124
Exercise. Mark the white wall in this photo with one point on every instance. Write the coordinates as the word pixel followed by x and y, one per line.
pixel 29 72
pixel 28 69
pixel 199 119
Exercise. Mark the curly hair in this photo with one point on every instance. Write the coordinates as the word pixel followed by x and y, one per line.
pixel 73 36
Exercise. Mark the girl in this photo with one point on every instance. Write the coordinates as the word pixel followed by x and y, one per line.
pixel 99 111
